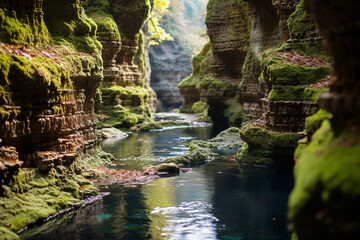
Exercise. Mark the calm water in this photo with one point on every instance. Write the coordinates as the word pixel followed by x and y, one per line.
pixel 218 200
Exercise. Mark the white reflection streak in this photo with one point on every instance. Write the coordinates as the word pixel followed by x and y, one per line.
pixel 189 220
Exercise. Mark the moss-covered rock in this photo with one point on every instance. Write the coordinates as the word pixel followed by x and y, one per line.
pixel 8 234
pixel 167 167
pixel 324 202
pixel 99 11
pixel 149 125
pixel 295 93
pixel 23 28
pixel 124 106
pixel 190 87
pixel 29 195
pixel 266 147
pixel 312 124
pixel 282 72
pixel 197 155
pixel 227 139
pixel 201 151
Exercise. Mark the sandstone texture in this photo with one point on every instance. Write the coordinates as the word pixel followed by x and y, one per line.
pixel 53 59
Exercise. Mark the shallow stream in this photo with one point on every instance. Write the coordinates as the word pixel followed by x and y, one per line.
pixel 217 200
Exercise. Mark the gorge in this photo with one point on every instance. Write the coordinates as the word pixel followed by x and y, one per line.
pixel 81 90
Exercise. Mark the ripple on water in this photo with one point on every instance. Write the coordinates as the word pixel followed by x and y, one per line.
pixel 192 220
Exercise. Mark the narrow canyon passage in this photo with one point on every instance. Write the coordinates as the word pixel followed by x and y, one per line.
pixel 199 204
pixel 180 119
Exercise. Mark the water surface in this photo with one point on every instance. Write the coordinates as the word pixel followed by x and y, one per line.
pixel 217 200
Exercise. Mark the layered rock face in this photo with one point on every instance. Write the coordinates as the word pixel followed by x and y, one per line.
pixel 126 96
pixel 130 17
pixel 284 9
pixel 292 79
pixel 171 60
pixel 229 27
pixel 48 104
pixel 264 34
pixel 169 65
pixel 238 30
pixel 324 202
pixel 51 67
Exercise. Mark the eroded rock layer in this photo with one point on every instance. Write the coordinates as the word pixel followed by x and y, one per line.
pixel 229 28
pixel 49 97
pixel 324 201
pixel 169 65
pixel 284 9
pixel 51 67
pixel 125 93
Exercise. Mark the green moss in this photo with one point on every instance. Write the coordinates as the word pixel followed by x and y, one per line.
pixel 37 81
pixel 313 122
pixel 35 196
pixel 140 57
pixel 279 72
pixel 298 21
pixel 137 94
pixel 199 107
pixel 265 147
pixel 7 234
pixel 99 11
pixel 117 116
pixel 84 44
pixel 234 112
pixel 324 201
pixel 214 88
pixel 29 195
pixel 295 93
pixel 24 30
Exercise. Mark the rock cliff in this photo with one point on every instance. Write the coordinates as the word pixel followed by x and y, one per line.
pixel 126 96
pixel 51 67
pixel 259 68
pixel 323 203
pixel 171 60
pixel 169 65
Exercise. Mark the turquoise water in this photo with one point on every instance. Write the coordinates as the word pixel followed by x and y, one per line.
pixel 217 200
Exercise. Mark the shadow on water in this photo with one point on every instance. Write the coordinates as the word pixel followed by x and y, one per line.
pixel 217 200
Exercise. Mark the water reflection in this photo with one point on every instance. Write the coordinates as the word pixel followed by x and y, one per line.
pixel 218 200
pixel 141 149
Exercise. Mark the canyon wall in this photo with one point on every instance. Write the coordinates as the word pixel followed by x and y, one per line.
pixel 169 64
pixel 324 201
pixel 262 70
pixel 126 96
pixel 58 68
pixel 171 60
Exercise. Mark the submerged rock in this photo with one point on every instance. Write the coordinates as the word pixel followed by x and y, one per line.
pixel 202 151
pixel 265 147
pixel 113 133
pixel 168 167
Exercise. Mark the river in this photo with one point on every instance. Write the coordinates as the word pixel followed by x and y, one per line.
pixel 216 200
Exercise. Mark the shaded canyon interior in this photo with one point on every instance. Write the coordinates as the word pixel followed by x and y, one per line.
pixel 284 73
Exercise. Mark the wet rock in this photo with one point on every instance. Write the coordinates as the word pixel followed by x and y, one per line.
pixel 168 167
pixel 113 133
